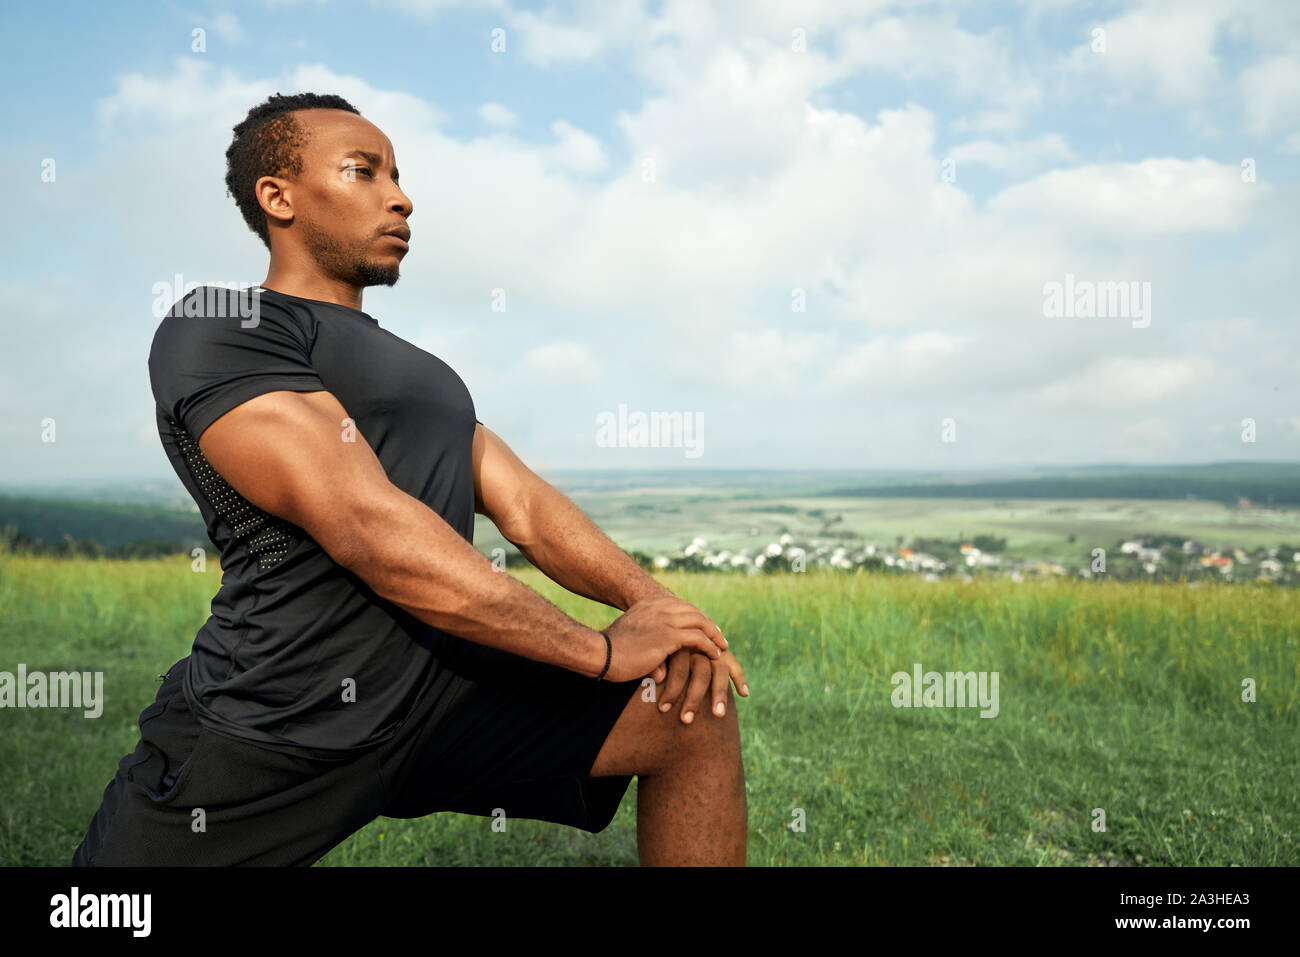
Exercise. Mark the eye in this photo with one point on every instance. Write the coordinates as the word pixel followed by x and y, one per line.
pixel 358 169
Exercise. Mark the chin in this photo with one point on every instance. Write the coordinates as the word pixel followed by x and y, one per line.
pixel 378 274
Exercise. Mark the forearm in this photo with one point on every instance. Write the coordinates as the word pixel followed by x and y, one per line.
pixel 408 555
pixel 568 547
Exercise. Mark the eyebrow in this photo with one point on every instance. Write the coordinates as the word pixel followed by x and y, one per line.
pixel 369 157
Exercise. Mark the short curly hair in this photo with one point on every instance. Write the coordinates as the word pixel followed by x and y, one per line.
pixel 269 142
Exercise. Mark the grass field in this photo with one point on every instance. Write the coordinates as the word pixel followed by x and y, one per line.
pixel 1120 697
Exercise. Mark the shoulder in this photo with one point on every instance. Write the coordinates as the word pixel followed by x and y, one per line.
pixel 211 314
pixel 221 303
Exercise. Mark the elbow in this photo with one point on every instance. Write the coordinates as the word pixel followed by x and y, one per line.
pixel 519 524
pixel 348 532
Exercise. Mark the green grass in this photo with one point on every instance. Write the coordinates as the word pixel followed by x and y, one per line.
pixel 1120 697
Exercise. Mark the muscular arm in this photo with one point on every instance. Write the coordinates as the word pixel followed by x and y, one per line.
pixel 552 532
pixel 285 452
pixel 558 538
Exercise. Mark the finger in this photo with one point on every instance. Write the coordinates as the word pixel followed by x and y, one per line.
pixel 679 670
pixel 701 675
pixel 721 671
pixel 657 676
pixel 696 619
pixel 685 615
pixel 696 640
pixel 737 675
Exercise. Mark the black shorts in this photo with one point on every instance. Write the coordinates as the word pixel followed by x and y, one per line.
pixel 496 732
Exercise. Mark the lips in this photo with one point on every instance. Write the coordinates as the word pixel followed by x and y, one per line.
pixel 401 232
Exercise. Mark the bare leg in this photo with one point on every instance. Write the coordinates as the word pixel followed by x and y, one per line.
pixel 690 782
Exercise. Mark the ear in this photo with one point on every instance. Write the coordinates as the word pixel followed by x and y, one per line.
pixel 272 194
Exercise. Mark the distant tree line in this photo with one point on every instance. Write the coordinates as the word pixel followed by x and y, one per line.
pixel 16 542
pixel 1261 484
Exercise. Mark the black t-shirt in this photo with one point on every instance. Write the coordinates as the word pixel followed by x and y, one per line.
pixel 293 635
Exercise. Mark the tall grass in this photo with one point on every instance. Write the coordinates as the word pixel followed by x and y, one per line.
pixel 1124 698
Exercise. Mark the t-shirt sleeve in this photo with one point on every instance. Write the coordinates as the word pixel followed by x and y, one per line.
pixel 201 367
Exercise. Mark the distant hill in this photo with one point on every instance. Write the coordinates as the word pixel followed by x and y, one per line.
pixel 154 516
pixel 1263 483
pixel 44 524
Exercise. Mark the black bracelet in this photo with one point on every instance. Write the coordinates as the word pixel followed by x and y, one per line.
pixel 609 653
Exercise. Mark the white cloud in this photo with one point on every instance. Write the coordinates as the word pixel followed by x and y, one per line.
pixel 973 66
pixel 575 151
pixel 1015 156
pixel 989 121
pixel 922 296
pixel 1148 438
pixel 913 362
pixel 194 92
pixel 226 25
pixel 561 364
pixel 1161 49
pixel 1270 93
pixel 428 9
pixel 494 114
pixel 773 362
pixel 1129 382
pixel 1161 195
pixel 741 118
pixel 596 27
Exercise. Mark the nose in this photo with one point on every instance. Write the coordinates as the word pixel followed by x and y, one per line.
pixel 399 202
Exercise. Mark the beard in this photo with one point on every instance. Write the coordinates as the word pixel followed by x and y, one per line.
pixel 350 263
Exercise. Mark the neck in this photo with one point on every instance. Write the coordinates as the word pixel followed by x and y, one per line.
pixel 311 285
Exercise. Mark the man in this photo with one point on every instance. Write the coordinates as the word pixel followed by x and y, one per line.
pixel 362 658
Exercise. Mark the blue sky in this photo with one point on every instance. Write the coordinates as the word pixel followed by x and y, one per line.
pixel 796 147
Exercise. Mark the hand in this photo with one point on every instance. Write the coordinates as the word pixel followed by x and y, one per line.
pixel 661 672
pixel 645 635
pixel 704 673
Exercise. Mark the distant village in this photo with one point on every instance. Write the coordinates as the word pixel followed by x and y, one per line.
pixel 1154 558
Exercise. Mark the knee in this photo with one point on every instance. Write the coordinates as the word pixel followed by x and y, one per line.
pixel 708 736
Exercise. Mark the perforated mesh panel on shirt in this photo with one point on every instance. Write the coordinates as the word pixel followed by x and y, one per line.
pixel 267 538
